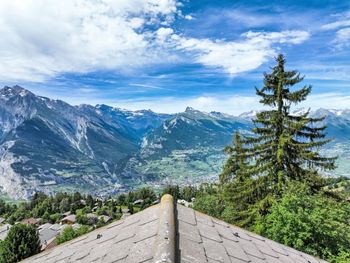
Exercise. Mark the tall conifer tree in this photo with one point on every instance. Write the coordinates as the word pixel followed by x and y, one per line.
pixel 284 148
pixel 236 166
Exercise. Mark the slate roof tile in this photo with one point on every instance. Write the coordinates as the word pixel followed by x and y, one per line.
pixel 235 250
pixel 216 251
pixel 189 231
pixel 226 232
pixel 187 215
pixel 190 251
pixel 209 232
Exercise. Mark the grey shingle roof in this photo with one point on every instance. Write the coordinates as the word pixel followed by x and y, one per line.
pixel 4 229
pixel 163 233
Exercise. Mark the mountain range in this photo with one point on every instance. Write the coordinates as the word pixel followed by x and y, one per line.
pixel 48 145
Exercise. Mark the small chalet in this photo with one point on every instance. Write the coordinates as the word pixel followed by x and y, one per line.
pixel 31 221
pixel 71 219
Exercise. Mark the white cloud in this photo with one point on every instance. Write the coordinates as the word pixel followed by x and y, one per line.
pixel 335 25
pixel 41 38
pixel 147 86
pixel 342 37
pixel 188 17
pixel 235 57
pixel 163 33
pixel 331 100
pixel 44 38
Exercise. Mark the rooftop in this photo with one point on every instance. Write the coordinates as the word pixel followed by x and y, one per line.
pixel 4 229
pixel 172 233
pixel 71 218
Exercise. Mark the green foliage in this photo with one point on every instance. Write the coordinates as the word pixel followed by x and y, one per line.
pixel 21 242
pixel 54 218
pixel 209 200
pixel 131 208
pixel 173 190
pixel 313 223
pixel 100 223
pixel 209 204
pixel 69 233
pixel 271 181
pixel 82 230
pixel 236 166
pixel 188 193
pixel 284 148
pixel 81 217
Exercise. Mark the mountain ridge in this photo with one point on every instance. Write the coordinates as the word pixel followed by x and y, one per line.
pixel 50 145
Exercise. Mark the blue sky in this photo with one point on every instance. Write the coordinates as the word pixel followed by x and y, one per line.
pixel 165 55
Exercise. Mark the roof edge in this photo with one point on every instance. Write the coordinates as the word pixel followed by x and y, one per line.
pixel 165 242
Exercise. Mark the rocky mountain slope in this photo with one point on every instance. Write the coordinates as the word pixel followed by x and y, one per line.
pixel 192 129
pixel 49 145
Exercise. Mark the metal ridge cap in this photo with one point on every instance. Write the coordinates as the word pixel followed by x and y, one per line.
pixel 164 250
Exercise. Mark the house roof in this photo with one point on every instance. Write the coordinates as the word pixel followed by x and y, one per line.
pixel 164 233
pixel 4 229
pixel 47 234
pixel 44 226
pixel 71 218
pixel 30 221
pixel 91 215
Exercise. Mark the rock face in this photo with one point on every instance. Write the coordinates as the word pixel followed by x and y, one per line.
pixel 51 146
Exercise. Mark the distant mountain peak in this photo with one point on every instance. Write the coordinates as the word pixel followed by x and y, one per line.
pixel 189 109
pixel 15 91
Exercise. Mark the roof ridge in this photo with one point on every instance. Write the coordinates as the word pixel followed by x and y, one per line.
pixel 165 242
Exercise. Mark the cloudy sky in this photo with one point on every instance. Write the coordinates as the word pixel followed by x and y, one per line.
pixel 165 55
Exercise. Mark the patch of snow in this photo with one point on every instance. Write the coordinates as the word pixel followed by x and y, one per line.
pixel 23 93
pixel 300 111
pixel 337 112
pixel 105 166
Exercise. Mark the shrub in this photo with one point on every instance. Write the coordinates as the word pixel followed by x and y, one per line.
pixel 315 224
pixel 21 242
